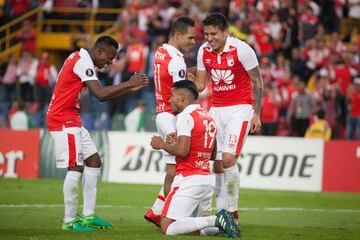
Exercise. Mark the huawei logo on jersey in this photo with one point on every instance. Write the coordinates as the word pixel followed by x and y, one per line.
pixel 226 75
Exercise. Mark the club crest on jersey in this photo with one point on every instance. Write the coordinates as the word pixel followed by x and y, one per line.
pixel 230 60
pixel 182 73
pixel 89 72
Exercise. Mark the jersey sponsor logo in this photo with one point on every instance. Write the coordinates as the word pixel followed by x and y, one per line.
pixel 89 72
pixel 182 73
pixel 218 75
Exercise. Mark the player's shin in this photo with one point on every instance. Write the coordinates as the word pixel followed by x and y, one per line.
pixel 232 178
pixel 221 194
pixel 190 224
pixel 89 189
pixel 70 190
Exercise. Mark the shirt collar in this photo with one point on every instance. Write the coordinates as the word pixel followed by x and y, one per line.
pixel 191 108
pixel 172 48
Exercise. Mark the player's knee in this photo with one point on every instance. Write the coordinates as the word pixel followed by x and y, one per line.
pixel 93 161
pixel 77 168
pixel 165 223
pixel 218 166
pixel 229 160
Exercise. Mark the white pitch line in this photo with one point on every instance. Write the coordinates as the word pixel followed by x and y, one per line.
pixel 145 207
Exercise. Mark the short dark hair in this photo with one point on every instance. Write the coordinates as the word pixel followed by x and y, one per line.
pixel 106 41
pixel 188 85
pixel 181 25
pixel 216 20
pixel 320 114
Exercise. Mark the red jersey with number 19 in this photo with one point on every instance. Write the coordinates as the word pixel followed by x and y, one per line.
pixel 64 108
pixel 228 71
pixel 196 123
pixel 169 67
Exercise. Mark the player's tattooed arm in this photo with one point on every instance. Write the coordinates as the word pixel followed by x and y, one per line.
pixel 257 84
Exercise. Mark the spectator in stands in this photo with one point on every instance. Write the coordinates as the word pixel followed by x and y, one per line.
pixel 136 58
pixel 46 75
pixel 353 119
pixel 135 120
pixel 18 7
pixel 300 110
pixel 270 111
pixel 18 118
pixel 26 72
pixel 27 36
pixel 307 25
pixel 320 128
pixel 9 80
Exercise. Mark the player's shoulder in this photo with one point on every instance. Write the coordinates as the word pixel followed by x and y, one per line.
pixel 85 56
pixel 173 51
pixel 237 43
pixel 205 47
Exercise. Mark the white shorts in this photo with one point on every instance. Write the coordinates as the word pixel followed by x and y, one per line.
pixel 233 125
pixel 165 124
pixel 189 198
pixel 72 146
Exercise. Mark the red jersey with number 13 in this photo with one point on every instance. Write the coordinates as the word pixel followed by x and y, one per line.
pixel 228 71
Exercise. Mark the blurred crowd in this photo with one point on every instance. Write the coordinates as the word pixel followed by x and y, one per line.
pixel 308 53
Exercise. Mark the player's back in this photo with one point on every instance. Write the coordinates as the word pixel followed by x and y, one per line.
pixel 202 139
pixel 169 67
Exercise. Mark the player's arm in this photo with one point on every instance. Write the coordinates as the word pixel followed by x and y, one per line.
pixel 180 147
pixel 201 73
pixel 201 79
pixel 104 93
pixel 214 151
pixel 257 84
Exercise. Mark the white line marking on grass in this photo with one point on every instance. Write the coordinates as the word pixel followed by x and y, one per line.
pixel 145 207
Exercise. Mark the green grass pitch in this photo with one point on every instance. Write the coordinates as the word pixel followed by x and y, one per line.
pixel 33 210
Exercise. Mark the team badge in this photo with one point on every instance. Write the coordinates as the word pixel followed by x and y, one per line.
pixel 89 72
pixel 230 60
pixel 182 73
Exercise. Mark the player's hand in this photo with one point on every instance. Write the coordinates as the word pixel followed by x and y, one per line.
pixel 171 138
pixel 255 124
pixel 138 81
pixel 156 142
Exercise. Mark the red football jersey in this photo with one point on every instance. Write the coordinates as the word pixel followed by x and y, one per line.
pixel 196 123
pixel 64 108
pixel 169 67
pixel 228 71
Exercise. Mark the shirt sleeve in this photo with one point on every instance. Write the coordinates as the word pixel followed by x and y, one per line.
pixel 247 57
pixel 200 62
pixel 177 69
pixel 184 124
pixel 85 70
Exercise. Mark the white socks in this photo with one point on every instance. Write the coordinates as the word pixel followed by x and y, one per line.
pixel 159 202
pixel 190 224
pixel 209 231
pixel 232 178
pixel 70 189
pixel 220 190
pixel 89 189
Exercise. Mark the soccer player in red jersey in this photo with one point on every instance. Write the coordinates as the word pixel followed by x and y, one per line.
pixel 237 97
pixel 74 147
pixel 169 67
pixel 186 207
